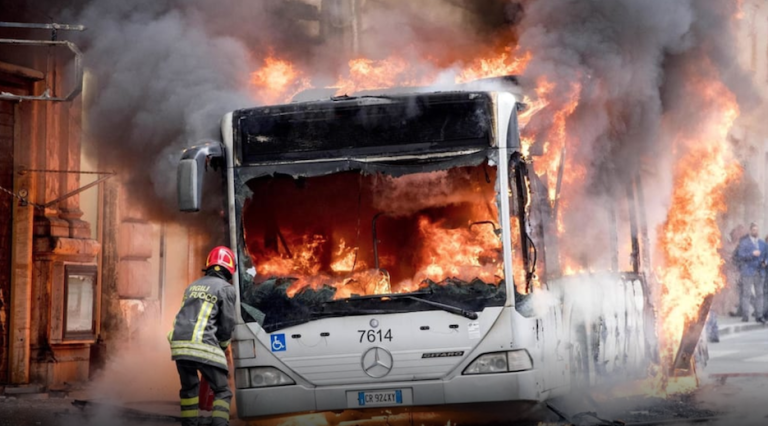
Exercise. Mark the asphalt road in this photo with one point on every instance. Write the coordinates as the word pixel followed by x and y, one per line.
pixel 739 353
pixel 734 385
pixel 61 412
pixel 735 380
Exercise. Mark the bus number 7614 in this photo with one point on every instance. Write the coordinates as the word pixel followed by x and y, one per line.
pixel 375 335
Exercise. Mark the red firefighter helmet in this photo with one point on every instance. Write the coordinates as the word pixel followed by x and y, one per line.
pixel 221 256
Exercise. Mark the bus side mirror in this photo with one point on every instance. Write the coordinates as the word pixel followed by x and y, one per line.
pixel 189 186
pixel 194 161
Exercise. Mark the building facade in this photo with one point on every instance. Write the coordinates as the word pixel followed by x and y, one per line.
pixel 49 283
pixel 83 273
pixel 750 134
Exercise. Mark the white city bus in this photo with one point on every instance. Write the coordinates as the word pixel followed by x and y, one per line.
pixel 384 247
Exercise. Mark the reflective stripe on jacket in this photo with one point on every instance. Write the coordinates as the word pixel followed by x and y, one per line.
pixel 204 324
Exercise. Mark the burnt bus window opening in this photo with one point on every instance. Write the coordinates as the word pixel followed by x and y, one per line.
pixel 321 239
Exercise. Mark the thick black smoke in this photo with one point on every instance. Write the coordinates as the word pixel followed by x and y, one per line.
pixel 623 57
pixel 159 81
pixel 163 72
pixel 635 68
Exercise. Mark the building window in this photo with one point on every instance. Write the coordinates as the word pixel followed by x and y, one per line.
pixel 80 302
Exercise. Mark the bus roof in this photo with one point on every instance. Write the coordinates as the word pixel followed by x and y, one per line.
pixel 365 125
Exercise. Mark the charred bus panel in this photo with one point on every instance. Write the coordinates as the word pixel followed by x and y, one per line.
pixel 367 126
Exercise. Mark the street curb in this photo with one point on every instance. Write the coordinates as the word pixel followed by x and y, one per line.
pixel 38 392
pixel 739 328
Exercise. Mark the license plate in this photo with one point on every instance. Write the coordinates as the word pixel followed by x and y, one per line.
pixel 365 399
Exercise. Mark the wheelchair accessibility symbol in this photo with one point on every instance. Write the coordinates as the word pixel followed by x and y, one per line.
pixel 278 342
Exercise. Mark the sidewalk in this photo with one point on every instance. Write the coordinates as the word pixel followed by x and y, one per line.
pixel 731 325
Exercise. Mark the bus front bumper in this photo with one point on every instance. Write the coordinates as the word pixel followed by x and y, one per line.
pixel 272 401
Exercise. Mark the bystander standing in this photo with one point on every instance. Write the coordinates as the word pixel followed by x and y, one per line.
pixel 752 255
pixel 765 286
pixel 731 294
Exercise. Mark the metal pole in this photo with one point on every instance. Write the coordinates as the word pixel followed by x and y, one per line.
pixel 77 191
pixel 635 255
pixel 58 27
pixel 684 358
pixel 355 28
pixel 162 268
pixel 645 246
pixel 560 171
pixel 613 237
pixel 375 241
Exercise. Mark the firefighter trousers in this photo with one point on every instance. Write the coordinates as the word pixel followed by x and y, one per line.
pixel 190 392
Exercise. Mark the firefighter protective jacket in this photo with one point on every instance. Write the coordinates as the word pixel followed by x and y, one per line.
pixel 204 324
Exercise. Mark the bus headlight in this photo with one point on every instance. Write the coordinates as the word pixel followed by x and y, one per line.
pixel 500 362
pixel 519 360
pixel 261 377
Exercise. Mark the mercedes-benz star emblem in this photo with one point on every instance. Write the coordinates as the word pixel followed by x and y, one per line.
pixel 374 323
pixel 377 362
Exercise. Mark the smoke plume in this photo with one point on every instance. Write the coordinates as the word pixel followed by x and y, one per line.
pixel 159 80
pixel 409 194
pixel 163 73
pixel 624 79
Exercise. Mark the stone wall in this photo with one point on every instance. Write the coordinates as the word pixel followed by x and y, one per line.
pixel 48 235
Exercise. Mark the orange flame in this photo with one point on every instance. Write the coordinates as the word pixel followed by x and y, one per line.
pixel 553 155
pixel 345 258
pixel 278 81
pixel 304 261
pixel 690 237
pixel 461 253
pixel 494 66
pixel 555 144
pixel 367 74
pixel 446 237
pixel 474 253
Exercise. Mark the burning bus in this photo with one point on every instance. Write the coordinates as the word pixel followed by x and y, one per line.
pixel 397 250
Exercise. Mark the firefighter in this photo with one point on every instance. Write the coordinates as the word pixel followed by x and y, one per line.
pixel 200 335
